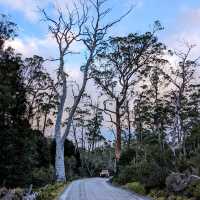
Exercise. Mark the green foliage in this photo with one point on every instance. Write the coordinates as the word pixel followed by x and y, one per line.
pixel 182 164
pixel 157 193
pixel 71 168
pixel 42 176
pixel 126 175
pixel 22 151
pixel 136 187
pixel 194 190
pixel 127 156
pixel 178 198
pixel 50 192
pixel 161 198
pixel 150 174
pixel 147 167
pixel 7 28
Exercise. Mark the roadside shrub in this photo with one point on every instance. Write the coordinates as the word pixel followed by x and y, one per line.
pixel 126 157
pixel 160 198
pixel 157 193
pixel 150 174
pixel 42 176
pixel 136 187
pixel 194 190
pixel 182 198
pixel 22 152
pixel 19 192
pixel 70 167
pixel 126 175
pixel 182 164
pixel 50 192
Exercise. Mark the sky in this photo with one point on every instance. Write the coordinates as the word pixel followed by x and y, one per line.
pixel 180 19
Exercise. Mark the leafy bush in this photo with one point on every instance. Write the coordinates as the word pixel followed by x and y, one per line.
pixel 152 175
pixel 42 176
pixel 148 173
pixel 22 152
pixel 125 175
pixel 126 157
pixel 50 192
pixel 160 198
pixel 194 190
pixel 136 187
pixel 70 167
pixel 182 164
pixel 157 193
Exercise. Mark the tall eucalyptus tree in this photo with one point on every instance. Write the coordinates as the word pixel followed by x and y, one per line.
pixel 122 63
pixel 84 23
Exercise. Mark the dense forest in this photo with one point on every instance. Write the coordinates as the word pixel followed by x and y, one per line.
pixel 147 97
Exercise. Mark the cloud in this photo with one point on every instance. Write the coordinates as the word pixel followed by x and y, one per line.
pixel 29 46
pixel 47 48
pixel 30 8
pixel 186 28
pixel 27 7
pixel 190 17
pixel 44 46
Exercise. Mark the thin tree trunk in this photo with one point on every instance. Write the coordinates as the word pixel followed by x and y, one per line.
pixel 45 122
pixel 118 138
pixel 75 138
pixel 129 126
pixel 46 114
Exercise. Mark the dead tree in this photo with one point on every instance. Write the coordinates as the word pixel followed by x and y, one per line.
pixel 83 24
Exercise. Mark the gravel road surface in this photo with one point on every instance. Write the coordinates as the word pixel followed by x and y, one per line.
pixel 97 189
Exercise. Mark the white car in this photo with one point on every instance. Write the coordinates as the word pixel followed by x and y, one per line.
pixel 104 173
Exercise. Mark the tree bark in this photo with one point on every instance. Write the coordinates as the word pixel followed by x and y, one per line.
pixel 60 161
pixel 118 134
pixel 129 126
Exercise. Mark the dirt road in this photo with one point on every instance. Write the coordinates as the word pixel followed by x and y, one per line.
pixel 97 189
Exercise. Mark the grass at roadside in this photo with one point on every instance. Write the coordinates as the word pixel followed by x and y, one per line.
pixel 51 192
pixel 136 187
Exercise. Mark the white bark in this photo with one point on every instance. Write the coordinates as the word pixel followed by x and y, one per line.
pixel 75 28
pixel 59 159
pixel 60 162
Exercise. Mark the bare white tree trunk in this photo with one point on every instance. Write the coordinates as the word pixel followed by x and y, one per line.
pixel 60 161
pixel 67 31
pixel 59 158
pixel 177 135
